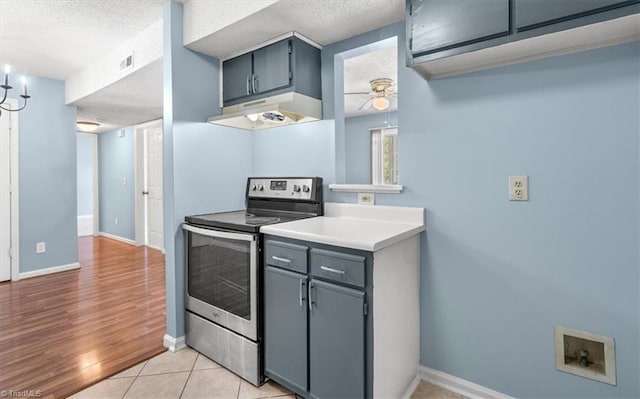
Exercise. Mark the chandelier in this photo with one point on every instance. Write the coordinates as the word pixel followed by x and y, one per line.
pixel 6 87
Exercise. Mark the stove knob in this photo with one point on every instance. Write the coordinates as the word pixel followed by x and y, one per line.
pixel 253 188
pixel 306 188
pixel 260 187
pixel 296 188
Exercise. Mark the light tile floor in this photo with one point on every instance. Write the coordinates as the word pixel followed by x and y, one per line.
pixel 186 374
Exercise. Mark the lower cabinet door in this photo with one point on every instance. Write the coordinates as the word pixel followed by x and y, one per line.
pixel 336 341
pixel 285 327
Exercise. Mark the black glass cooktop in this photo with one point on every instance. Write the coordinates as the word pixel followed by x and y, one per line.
pixel 245 220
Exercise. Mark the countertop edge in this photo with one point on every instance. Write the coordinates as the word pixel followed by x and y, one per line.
pixel 323 239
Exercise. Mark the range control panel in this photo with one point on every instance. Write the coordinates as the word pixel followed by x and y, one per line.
pixel 276 187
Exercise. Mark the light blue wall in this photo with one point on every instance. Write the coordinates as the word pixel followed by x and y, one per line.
pixel 498 276
pixel 116 164
pixel 358 144
pixel 205 166
pixel 306 149
pixel 85 174
pixel 47 177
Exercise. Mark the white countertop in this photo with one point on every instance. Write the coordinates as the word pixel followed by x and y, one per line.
pixel 364 227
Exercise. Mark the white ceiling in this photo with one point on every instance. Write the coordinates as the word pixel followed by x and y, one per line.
pixel 57 38
pixel 360 70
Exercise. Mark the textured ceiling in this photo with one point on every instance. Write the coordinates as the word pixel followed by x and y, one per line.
pixel 132 100
pixel 324 21
pixel 360 70
pixel 57 38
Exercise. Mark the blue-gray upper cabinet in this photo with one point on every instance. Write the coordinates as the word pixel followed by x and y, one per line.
pixel 532 14
pixel 287 65
pixel 438 25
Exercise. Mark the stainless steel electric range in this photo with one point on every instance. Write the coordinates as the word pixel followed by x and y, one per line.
pixel 224 270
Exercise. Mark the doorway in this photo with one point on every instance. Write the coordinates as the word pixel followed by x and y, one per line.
pixel 149 218
pixel 9 193
pixel 87 153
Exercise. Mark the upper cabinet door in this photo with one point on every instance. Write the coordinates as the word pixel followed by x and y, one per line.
pixel 271 66
pixel 236 77
pixel 442 24
pixel 532 14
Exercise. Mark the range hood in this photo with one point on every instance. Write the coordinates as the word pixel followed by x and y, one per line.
pixel 279 110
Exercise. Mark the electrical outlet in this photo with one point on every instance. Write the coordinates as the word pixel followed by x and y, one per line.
pixel 518 188
pixel 41 247
pixel 115 221
pixel 366 198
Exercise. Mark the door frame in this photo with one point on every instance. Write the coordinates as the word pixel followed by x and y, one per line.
pixel 138 167
pixel 14 202
pixel 96 182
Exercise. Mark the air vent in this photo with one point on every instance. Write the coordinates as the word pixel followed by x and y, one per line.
pixel 126 62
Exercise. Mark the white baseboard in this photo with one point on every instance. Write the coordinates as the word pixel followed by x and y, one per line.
pixel 50 270
pixel 454 384
pixel 117 238
pixel 85 225
pixel 174 344
pixel 412 387
pixel 156 248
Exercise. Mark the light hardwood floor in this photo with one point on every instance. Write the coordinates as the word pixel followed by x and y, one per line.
pixel 63 332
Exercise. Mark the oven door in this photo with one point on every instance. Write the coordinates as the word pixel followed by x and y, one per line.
pixel 222 278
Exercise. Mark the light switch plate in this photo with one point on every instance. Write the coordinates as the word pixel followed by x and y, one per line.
pixel 366 198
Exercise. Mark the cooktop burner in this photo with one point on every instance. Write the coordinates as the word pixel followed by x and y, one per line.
pixel 243 220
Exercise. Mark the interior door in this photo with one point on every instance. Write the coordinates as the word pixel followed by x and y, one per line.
pixel 154 224
pixel 5 196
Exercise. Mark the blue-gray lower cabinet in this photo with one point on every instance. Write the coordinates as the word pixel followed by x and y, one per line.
pixel 285 326
pixel 342 322
pixel 336 341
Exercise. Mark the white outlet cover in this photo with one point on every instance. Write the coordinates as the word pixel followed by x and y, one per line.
pixel 366 198
pixel 518 188
pixel 41 247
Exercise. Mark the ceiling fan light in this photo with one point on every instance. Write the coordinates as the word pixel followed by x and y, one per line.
pixel 86 126
pixel 380 103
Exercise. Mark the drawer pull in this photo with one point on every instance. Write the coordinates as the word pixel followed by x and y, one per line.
pixel 279 259
pixel 331 270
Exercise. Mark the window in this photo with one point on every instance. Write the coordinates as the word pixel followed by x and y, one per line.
pixel 384 155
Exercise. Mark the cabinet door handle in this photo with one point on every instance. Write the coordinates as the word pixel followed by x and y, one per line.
pixel 255 82
pixel 248 85
pixel 309 297
pixel 301 297
pixel 332 270
pixel 279 259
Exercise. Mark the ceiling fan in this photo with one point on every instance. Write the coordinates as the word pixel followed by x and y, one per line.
pixel 381 90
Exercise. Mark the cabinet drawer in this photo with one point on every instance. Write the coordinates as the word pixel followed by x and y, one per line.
pixel 285 255
pixel 337 266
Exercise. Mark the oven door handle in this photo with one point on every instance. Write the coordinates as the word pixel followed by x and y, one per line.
pixel 219 234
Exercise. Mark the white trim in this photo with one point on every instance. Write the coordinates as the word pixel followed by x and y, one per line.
pixel 412 387
pixel 138 173
pixel 462 387
pixel 15 193
pixel 117 238
pixel 174 344
pixel 50 270
pixel 156 248
pixel 366 188
pixel 85 225
pixel 96 188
